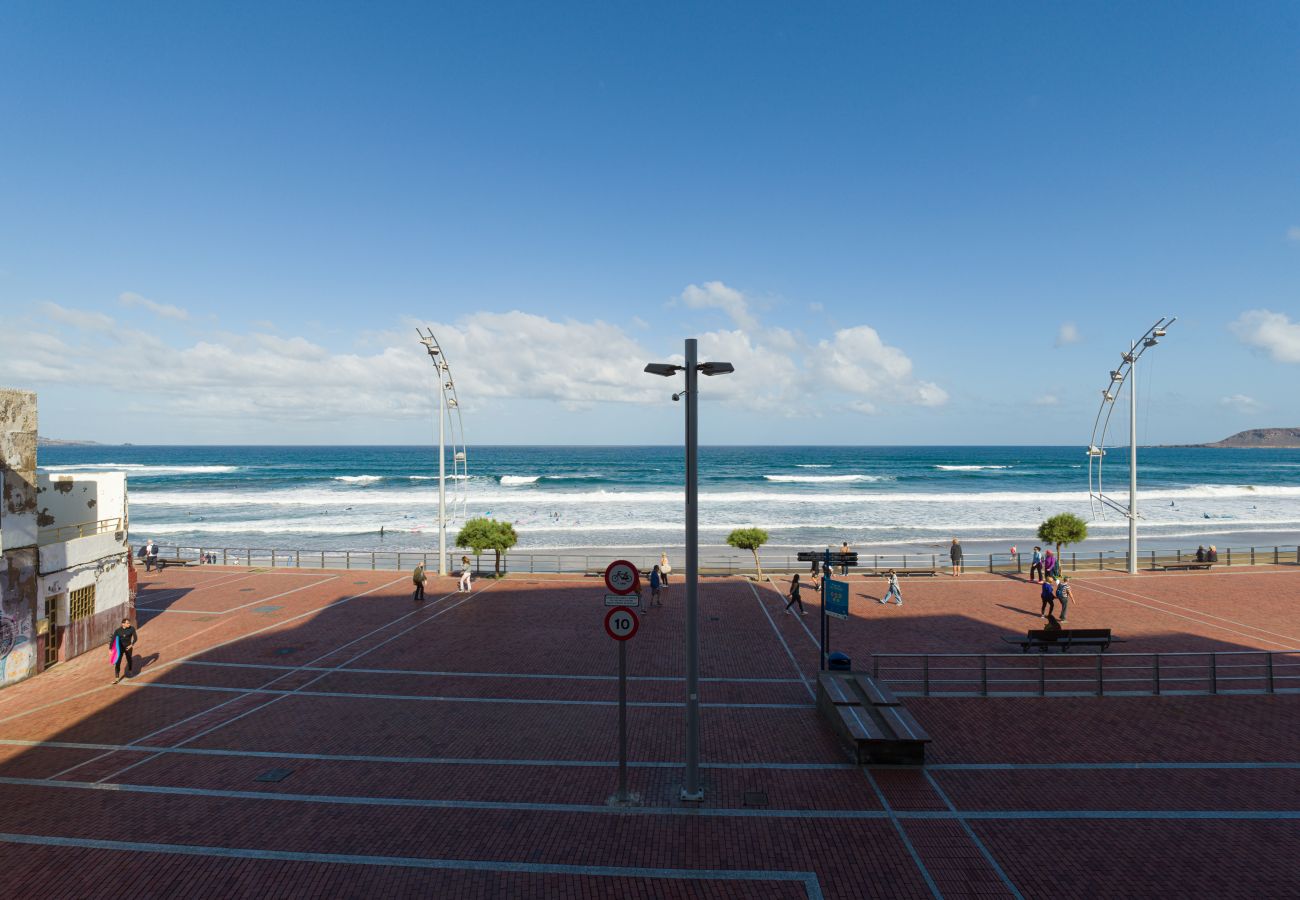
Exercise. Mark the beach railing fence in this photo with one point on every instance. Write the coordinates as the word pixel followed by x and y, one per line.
pixel 711 563
pixel 1085 675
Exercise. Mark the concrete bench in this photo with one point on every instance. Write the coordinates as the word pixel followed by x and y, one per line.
pixel 870 720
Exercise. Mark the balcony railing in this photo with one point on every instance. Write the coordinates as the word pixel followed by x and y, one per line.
pixel 61 533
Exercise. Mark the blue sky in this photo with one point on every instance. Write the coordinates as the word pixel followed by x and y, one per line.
pixel 903 223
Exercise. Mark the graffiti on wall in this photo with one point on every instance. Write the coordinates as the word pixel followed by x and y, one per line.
pixel 17 648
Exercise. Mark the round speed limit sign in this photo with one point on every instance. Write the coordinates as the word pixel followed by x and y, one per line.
pixel 621 577
pixel 621 623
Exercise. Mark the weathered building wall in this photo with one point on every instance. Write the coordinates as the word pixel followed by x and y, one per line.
pixel 20 649
pixel 82 537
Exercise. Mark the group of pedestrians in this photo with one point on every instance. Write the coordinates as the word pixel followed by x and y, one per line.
pixel 1053 591
pixel 419 577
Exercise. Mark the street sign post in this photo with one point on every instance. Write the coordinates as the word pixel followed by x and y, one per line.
pixel 622 577
pixel 621 624
pixel 837 598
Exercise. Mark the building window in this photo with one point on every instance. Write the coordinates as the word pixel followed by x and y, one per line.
pixel 82 603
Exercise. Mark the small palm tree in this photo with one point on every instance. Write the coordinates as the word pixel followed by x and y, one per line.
pixel 1062 529
pixel 749 539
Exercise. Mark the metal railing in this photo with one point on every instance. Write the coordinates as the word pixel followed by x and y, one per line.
pixel 1081 674
pixel 79 530
pixel 712 562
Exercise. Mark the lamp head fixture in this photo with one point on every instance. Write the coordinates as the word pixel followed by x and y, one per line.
pixel 665 369
pixel 717 368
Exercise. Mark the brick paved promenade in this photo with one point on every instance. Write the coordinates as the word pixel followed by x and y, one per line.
pixel 465 747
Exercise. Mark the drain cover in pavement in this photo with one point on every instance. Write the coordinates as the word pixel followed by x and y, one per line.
pixel 752 798
pixel 285 651
pixel 266 609
pixel 274 775
pixel 359 582
pixel 245 590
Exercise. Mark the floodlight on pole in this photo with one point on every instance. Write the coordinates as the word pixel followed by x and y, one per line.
pixel 448 403
pixel 692 789
pixel 1097 497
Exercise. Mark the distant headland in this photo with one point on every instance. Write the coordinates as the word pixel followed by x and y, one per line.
pixel 55 442
pixel 1259 438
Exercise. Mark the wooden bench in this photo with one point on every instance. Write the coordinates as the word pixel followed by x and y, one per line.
pixel 901 573
pixel 1193 564
pixel 868 716
pixel 1064 639
pixel 162 562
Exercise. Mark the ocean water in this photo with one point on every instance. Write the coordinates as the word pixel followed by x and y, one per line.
pixel 909 498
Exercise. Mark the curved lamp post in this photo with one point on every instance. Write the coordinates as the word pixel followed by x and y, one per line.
pixel 692 789
pixel 448 403
pixel 1097 497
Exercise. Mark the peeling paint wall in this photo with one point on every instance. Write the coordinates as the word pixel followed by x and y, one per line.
pixel 19 647
pixel 78 498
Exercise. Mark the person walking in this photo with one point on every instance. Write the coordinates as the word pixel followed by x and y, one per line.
pixel 815 573
pixel 1048 595
pixel 794 597
pixel 664 568
pixel 1049 564
pixel 417 578
pixel 1036 564
pixel 1063 596
pixel 893 589
pixel 150 555
pixel 955 555
pixel 464 573
pixel 656 586
pixel 123 641
pixel 844 567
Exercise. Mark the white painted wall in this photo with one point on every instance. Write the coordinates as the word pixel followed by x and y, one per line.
pixel 74 498
pixel 70 499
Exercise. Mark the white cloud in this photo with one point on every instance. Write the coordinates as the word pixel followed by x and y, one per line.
pixel 1270 331
pixel 1240 402
pixel 166 310
pixel 1068 334
pixel 716 295
pixel 815 306
pixel 1046 400
pixel 260 376
pixel 1293 233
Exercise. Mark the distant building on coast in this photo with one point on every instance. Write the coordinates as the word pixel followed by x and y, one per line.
pixel 65 578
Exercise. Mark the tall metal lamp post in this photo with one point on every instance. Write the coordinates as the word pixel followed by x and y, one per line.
pixel 447 402
pixel 692 789
pixel 1097 447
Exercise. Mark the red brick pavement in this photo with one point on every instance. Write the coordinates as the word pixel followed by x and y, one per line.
pixel 515 771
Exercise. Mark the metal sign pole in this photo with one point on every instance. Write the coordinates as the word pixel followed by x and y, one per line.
pixel 622 722
pixel 826 574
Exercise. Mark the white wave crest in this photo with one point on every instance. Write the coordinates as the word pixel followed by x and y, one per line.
pixel 969 468
pixel 359 479
pixel 814 479
pixel 143 469
pixel 812 465
pixel 519 479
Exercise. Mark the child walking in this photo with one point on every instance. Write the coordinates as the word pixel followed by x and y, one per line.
pixel 464 573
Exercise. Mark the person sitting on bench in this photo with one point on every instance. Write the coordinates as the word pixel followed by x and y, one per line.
pixel 1200 553
pixel 1212 555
